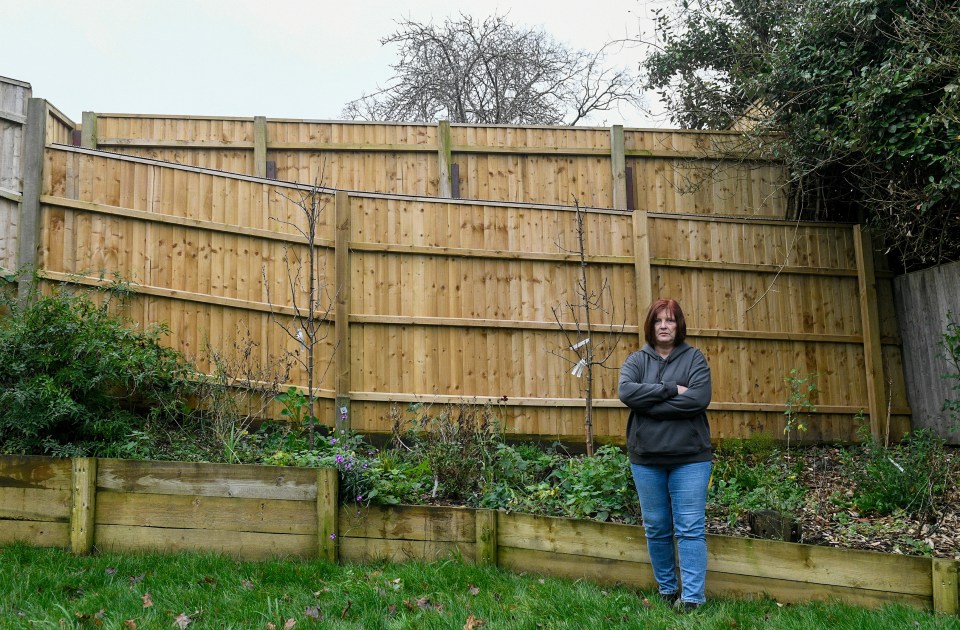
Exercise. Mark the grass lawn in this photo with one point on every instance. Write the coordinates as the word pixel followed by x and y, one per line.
pixel 50 588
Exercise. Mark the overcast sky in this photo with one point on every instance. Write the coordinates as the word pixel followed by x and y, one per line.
pixel 276 58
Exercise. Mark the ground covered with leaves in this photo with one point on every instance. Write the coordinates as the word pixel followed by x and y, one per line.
pixel 903 499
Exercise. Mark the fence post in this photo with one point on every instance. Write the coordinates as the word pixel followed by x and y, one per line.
pixel 35 139
pixel 945 594
pixel 445 155
pixel 88 130
pixel 641 254
pixel 486 548
pixel 260 146
pixel 618 166
pixel 342 420
pixel 328 503
pixel 870 322
pixel 84 505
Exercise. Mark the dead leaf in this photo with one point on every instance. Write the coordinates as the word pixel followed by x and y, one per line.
pixel 182 621
pixel 646 603
pixel 147 600
pixel 135 579
pixel 130 624
pixel 473 622
pixel 473 590
pixel 290 623
pixel 110 571
pixel 312 611
pixel 247 584
pixel 271 626
pixel 345 610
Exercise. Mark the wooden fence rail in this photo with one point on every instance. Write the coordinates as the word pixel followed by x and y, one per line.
pixel 256 512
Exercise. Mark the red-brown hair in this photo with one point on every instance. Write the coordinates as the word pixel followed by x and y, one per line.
pixel 674 309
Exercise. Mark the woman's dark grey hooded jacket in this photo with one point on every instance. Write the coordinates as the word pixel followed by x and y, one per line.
pixel 665 427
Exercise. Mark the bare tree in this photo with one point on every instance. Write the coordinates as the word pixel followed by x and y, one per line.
pixel 492 72
pixel 311 300
pixel 587 351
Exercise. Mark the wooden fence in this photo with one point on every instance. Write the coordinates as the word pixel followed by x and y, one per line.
pixel 925 298
pixel 255 512
pixel 672 171
pixel 442 300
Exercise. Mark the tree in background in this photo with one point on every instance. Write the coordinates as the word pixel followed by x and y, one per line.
pixel 862 96
pixel 492 72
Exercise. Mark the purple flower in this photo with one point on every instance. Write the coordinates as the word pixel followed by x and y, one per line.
pixel 339 459
pixel 333 536
pixel 333 440
pixel 359 498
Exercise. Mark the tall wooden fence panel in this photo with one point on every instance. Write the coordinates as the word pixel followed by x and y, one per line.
pixel 257 512
pixel 13 117
pixel 924 300
pixel 447 301
pixel 689 172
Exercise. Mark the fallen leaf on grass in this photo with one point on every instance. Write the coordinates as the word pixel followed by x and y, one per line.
pixel 182 621
pixel 247 584
pixel 147 600
pixel 345 610
pixel 110 571
pixel 130 624
pixel 646 603
pixel 473 622
pixel 313 612
pixel 473 590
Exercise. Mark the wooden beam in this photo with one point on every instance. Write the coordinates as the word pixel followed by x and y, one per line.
pixel 618 167
pixel 88 130
pixel 945 598
pixel 644 279
pixel 872 350
pixel 28 234
pixel 84 505
pixel 328 502
pixel 260 146
pixel 342 313
pixel 445 157
pixel 486 548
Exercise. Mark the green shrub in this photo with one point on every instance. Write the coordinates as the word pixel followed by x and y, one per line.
pixel 76 379
pixel 910 476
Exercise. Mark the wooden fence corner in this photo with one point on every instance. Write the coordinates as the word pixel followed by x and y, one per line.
pixel 328 502
pixel 84 504
pixel 945 586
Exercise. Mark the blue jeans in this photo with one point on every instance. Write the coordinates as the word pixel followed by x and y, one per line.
pixel 673 500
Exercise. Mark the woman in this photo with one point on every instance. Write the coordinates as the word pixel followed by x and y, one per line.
pixel 667 387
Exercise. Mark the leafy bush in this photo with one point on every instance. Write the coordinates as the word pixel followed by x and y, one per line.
pixel 910 476
pixel 76 379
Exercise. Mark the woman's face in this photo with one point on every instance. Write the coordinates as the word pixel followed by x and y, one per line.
pixel 665 329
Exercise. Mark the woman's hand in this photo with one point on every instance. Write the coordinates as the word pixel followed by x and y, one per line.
pixel 681 389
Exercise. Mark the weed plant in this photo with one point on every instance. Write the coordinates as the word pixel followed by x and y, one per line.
pixel 50 588
pixel 911 476
pixel 753 474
